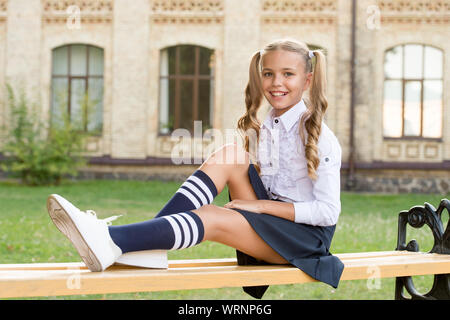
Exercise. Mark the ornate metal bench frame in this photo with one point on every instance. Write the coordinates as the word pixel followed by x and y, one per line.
pixel 416 217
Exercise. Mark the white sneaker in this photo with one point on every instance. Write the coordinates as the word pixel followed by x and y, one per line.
pixel 91 238
pixel 145 259
pixel 88 234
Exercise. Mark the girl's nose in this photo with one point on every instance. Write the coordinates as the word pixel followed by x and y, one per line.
pixel 276 80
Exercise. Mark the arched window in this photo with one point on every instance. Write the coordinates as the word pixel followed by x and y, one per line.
pixel 412 104
pixel 186 87
pixel 77 86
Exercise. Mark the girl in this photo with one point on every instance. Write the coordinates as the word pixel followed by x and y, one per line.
pixel 285 206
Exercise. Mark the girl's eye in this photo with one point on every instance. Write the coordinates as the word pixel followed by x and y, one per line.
pixel 268 74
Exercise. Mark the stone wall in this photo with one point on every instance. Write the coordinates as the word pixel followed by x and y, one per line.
pixel 400 181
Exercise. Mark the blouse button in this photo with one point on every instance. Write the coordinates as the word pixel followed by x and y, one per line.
pixel 326 159
pixel 276 120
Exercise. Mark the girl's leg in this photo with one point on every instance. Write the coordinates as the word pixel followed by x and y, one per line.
pixel 170 231
pixel 196 191
pixel 226 166
pixel 229 166
pixel 229 227
pixel 186 229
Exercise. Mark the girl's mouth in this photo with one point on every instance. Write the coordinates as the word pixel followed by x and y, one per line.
pixel 277 94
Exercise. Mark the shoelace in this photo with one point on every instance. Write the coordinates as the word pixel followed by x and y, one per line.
pixel 108 220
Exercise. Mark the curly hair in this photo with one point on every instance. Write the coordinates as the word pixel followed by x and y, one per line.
pixel 316 103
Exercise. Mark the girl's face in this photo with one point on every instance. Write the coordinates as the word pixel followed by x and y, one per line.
pixel 284 79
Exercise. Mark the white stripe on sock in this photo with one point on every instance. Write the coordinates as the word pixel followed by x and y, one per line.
pixel 204 187
pixel 187 233
pixel 193 226
pixel 176 230
pixel 190 197
pixel 193 188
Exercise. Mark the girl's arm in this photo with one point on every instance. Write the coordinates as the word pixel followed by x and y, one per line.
pixel 280 209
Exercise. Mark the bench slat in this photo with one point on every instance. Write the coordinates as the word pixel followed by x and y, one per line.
pixel 82 266
pixel 186 263
pixel 74 278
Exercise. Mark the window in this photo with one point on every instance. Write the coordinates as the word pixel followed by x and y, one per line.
pixel 412 104
pixel 77 86
pixel 186 88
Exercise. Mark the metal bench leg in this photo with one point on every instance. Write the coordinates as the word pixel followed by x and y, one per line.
pixel 416 217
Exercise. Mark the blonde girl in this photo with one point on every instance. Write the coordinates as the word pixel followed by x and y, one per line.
pixel 284 192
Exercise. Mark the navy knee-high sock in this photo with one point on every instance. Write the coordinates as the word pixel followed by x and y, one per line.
pixel 170 232
pixel 195 192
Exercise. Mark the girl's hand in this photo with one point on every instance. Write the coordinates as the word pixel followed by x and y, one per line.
pixel 248 205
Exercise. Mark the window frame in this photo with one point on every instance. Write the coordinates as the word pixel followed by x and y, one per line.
pixel 70 77
pixel 404 80
pixel 196 77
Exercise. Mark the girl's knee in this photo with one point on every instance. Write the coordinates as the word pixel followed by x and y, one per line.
pixel 231 154
pixel 213 212
pixel 208 215
pixel 216 220
pixel 206 208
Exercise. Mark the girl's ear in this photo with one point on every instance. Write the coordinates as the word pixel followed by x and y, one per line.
pixel 308 81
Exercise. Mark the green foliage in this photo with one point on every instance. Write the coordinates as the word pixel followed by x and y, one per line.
pixel 35 152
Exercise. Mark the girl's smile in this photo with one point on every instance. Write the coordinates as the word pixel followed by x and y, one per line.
pixel 283 79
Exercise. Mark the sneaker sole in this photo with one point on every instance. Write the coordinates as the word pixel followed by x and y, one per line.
pixel 65 224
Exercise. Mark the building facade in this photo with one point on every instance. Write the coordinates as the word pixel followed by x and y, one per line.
pixel 149 67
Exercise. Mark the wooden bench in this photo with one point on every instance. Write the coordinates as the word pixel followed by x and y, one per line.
pixel 54 279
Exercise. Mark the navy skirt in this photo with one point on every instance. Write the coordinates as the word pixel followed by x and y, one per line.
pixel 304 246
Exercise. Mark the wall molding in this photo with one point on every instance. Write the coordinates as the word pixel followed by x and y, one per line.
pixel 91 11
pixel 187 12
pixel 435 12
pixel 298 12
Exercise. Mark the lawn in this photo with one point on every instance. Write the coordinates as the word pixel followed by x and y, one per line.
pixel 368 222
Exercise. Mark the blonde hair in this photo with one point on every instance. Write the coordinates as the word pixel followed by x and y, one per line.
pixel 316 103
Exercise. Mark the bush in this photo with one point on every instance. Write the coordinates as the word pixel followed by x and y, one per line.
pixel 35 152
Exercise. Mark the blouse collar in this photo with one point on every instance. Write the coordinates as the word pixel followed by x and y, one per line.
pixel 288 119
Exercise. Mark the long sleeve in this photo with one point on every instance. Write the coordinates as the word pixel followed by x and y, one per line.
pixel 324 210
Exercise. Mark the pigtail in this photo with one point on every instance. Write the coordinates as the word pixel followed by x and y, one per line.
pixel 317 105
pixel 248 124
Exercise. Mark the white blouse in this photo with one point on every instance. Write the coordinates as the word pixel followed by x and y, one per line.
pixel 284 173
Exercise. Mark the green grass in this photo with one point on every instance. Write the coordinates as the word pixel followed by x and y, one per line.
pixel 368 222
